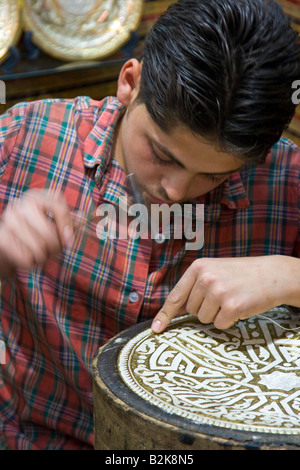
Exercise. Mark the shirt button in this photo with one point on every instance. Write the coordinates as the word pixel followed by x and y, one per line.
pixel 133 297
pixel 159 238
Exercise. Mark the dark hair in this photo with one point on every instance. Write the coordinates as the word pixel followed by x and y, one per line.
pixel 224 69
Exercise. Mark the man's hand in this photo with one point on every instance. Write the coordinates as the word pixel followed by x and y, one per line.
pixel 33 228
pixel 223 291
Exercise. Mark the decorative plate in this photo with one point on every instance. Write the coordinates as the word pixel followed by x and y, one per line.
pixel 81 29
pixel 10 28
pixel 245 378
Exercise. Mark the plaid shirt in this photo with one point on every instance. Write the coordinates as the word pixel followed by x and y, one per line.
pixel 54 319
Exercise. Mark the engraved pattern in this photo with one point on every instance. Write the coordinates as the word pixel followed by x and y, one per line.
pixel 81 29
pixel 246 377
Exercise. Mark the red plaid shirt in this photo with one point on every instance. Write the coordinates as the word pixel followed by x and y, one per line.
pixel 53 320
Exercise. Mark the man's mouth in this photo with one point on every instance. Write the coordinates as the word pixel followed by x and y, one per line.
pixel 154 200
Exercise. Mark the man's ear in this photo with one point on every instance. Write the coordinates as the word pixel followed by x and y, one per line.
pixel 129 82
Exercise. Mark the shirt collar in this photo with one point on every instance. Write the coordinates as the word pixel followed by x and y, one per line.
pixel 98 144
pixel 232 194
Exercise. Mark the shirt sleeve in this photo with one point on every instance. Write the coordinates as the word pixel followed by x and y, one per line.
pixel 10 124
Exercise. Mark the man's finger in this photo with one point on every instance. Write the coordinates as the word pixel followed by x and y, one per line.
pixel 175 300
pixel 64 224
pixel 55 205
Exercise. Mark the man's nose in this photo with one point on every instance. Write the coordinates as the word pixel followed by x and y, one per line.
pixel 176 186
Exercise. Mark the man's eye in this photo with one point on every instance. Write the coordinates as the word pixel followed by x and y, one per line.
pixel 158 159
pixel 215 179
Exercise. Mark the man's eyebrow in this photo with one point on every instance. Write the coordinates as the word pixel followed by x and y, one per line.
pixel 170 155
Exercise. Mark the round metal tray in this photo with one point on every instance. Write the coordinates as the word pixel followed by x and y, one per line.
pixel 10 25
pixel 198 387
pixel 74 30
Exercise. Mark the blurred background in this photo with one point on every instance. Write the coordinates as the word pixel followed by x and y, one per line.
pixel 68 48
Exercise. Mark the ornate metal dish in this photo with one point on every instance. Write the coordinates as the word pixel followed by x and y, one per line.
pixel 74 30
pixel 246 378
pixel 10 27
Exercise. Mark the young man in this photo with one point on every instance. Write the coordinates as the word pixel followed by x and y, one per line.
pixel 198 120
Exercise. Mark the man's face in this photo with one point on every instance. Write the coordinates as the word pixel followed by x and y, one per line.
pixel 171 168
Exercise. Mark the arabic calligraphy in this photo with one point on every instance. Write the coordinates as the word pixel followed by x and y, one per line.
pixel 246 377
